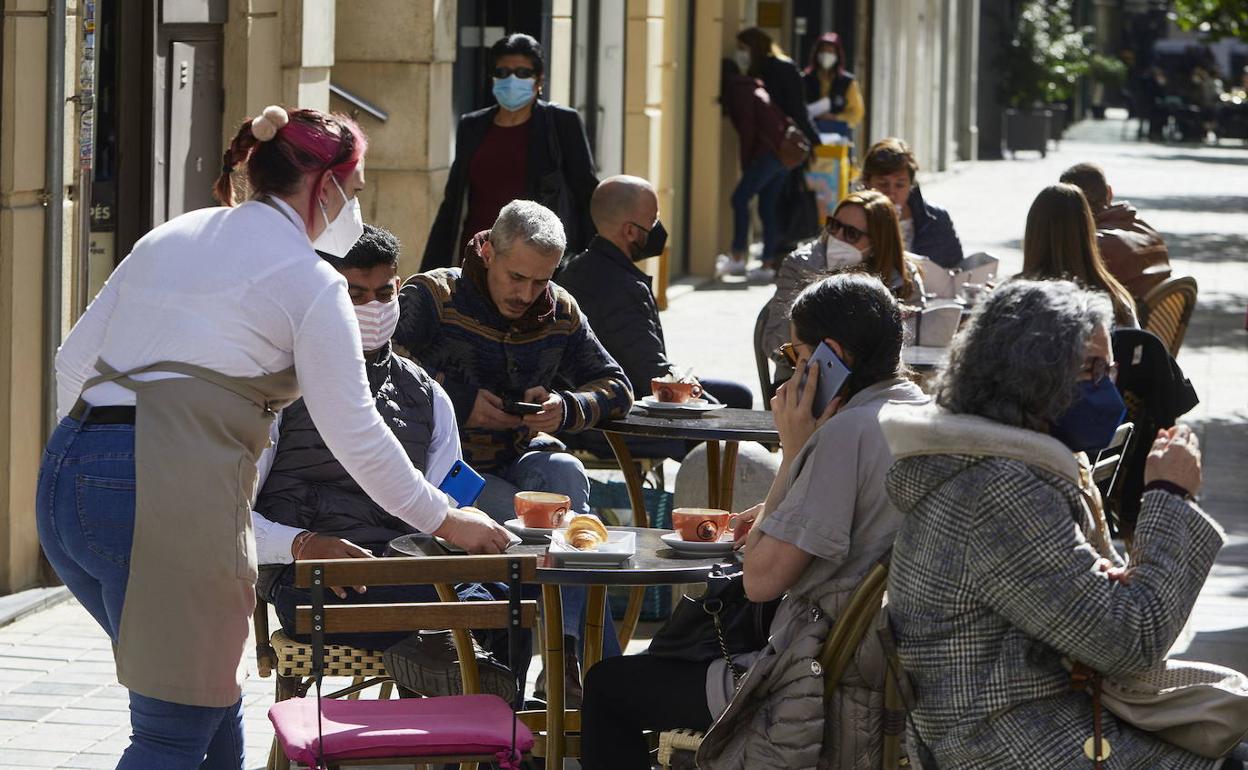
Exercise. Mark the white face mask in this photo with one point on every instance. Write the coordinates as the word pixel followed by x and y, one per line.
pixel 827 60
pixel 377 322
pixel 340 235
pixel 839 253
pixel 742 58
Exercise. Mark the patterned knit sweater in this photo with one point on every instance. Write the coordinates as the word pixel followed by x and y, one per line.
pixel 448 323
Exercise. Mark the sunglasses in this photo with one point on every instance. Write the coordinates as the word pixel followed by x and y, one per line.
pixel 790 354
pixel 847 233
pixel 524 73
pixel 1099 368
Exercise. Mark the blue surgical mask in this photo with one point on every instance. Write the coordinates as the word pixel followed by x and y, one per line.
pixel 513 93
pixel 1089 424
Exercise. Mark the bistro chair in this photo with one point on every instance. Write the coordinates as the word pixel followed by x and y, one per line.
pixel 469 728
pixel 1167 309
pixel 1107 477
pixel 861 613
pixel 761 359
pixel 291 660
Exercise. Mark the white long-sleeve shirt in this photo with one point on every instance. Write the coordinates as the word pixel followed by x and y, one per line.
pixel 240 291
pixel 273 540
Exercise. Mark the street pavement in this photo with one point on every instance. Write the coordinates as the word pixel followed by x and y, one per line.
pixel 61 707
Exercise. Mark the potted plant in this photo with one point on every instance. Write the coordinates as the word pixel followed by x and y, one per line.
pixel 1044 61
pixel 1108 74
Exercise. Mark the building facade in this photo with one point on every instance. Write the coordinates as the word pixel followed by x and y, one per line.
pixel 125 129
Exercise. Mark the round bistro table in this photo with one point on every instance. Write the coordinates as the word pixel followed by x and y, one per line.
pixel 654 564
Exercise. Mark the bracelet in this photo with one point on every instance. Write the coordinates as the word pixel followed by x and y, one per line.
pixel 300 541
pixel 1167 486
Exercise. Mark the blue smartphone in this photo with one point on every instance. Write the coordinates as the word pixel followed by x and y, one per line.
pixel 832 376
pixel 463 484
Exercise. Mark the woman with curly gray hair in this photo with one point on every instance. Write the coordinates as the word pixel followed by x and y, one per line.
pixel 1003 566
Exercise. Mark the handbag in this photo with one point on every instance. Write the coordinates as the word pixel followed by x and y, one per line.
pixel 1199 707
pixel 551 189
pixel 794 147
pixel 721 623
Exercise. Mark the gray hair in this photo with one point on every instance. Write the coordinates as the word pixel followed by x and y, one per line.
pixel 529 223
pixel 1017 359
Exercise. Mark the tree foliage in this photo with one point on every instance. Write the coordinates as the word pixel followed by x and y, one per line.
pixel 1216 18
pixel 1047 54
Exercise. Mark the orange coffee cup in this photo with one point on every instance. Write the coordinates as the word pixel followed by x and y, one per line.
pixel 542 510
pixel 704 525
pixel 674 392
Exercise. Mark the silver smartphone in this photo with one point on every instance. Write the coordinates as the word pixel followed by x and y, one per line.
pixel 832 376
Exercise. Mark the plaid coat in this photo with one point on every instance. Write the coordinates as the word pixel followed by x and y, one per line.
pixel 994 581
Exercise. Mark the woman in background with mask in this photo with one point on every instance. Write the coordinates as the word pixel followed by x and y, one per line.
pixel 862 233
pixel 832 93
pixel 520 148
pixel 167 388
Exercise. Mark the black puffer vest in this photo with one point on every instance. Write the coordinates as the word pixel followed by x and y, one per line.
pixel 309 489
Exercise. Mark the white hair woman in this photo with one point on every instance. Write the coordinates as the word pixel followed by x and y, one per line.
pixel 1003 567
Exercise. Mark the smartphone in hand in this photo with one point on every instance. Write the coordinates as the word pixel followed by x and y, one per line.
pixel 832 376
pixel 520 408
pixel 463 484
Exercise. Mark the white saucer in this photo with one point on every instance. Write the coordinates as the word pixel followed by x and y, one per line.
pixel 692 405
pixel 721 546
pixel 531 535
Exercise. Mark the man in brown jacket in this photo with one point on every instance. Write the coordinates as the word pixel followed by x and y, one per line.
pixel 1134 252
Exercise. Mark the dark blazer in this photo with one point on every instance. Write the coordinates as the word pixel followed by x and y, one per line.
pixel 617 298
pixel 934 236
pixel 784 83
pixel 579 175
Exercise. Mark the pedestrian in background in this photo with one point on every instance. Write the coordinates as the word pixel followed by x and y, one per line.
pixel 826 78
pixel 520 149
pixel 760 126
pixel 799 214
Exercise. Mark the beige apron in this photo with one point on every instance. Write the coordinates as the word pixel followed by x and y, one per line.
pixel 191 590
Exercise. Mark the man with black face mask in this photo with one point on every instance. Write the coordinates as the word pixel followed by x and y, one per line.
pixel 616 295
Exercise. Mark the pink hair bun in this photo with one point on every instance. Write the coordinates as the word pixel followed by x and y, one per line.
pixel 266 125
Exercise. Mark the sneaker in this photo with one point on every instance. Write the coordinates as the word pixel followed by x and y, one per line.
pixel 427 663
pixel 761 275
pixel 725 264
pixel 572 693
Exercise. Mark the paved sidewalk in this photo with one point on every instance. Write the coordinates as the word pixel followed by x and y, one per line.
pixel 60 705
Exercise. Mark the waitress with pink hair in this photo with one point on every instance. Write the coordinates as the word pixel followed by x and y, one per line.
pixel 167 388
pixel 826 78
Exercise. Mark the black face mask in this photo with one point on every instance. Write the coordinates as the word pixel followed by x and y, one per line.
pixel 656 241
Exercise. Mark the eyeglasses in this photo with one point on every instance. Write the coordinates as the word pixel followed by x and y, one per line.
pixel 524 73
pixel 1098 369
pixel 847 233
pixel 790 354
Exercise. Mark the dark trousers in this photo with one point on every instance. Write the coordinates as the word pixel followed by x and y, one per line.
pixel 624 696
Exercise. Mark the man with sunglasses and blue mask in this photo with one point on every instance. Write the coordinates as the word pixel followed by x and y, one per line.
pixel 521 148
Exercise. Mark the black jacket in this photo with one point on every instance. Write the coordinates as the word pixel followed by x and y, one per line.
pixel 1156 393
pixel 579 177
pixel 783 81
pixel 934 236
pixel 616 297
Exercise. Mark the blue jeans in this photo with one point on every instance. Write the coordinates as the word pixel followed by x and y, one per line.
pixel 84 507
pixel 557 472
pixel 764 178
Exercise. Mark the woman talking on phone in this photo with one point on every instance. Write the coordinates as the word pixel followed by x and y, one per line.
pixel 167 387
pixel 824 524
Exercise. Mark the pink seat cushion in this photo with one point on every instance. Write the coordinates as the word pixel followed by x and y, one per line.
pixel 410 727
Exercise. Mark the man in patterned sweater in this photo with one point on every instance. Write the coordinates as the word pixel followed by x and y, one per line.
pixel 499 331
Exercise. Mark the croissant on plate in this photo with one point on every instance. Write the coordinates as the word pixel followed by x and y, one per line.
pixel 586 533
